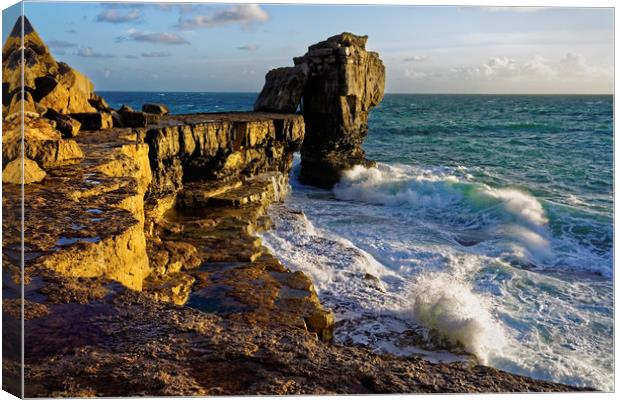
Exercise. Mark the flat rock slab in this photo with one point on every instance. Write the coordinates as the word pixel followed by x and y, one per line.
pixel 225 117
pixel 83 208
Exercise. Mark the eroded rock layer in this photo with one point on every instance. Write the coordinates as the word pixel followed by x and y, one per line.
pixel 220 146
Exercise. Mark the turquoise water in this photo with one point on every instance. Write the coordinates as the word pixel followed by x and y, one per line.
pixel 486 227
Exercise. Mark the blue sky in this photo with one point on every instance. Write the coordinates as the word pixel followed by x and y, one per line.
pixel 222 47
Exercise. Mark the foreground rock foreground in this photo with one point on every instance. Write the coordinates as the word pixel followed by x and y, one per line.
pixel 143 271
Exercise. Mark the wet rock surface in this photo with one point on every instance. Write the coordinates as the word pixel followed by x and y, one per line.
pixel 129 346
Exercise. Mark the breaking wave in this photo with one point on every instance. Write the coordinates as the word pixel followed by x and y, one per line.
pixel 512 220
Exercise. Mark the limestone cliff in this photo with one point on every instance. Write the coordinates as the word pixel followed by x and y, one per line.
pixel 336 83
pixel 220 147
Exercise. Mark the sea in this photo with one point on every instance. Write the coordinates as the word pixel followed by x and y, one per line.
pixel 485 229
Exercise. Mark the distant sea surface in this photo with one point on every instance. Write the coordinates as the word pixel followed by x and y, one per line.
pixel 487 226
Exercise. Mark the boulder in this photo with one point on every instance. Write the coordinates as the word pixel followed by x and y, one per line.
pixel 125 108
pixel 19 104
pixel 155 108
pixel 51 94
pixel 117 122
pixel 93 121
pixel 12 173
pixel 133 119
pixel 322 322
pixel 98 102
pixel 67 126
pixel 283 89
pixel 41 143
pixel 80 89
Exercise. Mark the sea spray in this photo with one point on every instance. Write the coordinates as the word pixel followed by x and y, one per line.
pixel 451 310
pixel 453 199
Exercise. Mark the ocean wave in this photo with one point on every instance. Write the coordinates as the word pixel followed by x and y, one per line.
pixel 512 223
pixel 450 309
pixel 419 261
pixel 375 305
pixel 458 201
pixel 507 317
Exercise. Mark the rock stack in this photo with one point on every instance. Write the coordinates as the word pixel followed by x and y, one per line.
pixel 335 84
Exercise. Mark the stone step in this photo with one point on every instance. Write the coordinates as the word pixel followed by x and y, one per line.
pixel 260 188
pixel 253 193
pixel 198 194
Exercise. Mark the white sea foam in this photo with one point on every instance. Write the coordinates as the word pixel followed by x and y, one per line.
pixel 450 308
pixel 506 212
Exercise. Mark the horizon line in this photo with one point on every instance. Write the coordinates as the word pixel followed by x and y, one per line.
pixel 397 93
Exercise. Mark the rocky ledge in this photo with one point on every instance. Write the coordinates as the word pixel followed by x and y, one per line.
pixel 143 272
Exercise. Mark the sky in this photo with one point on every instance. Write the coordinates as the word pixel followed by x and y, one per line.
pixel 228 47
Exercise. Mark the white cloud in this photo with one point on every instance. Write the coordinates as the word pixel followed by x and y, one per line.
pixel 574 64
pixel 415 58
pixel 538 66
pixel 118 15
pixel 153 37
pixel 242 14
pixel 107 73
pixel 570 65
pixel 248 47
pixel 494 67
pixel 88 52
pixel 409 73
